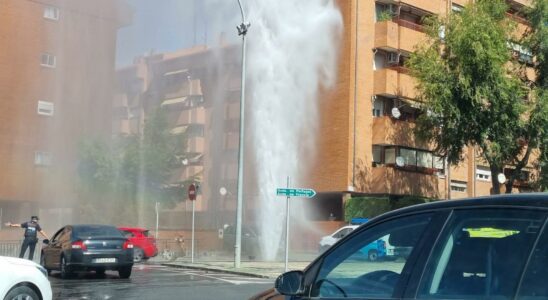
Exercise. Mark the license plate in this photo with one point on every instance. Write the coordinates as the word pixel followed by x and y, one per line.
pixel 104 260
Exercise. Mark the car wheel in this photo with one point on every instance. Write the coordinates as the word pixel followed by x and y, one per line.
pixel 373 255
pixel 138 255
pixel 125 272
pixel 43 263
pixel 65 270
pixel 22 292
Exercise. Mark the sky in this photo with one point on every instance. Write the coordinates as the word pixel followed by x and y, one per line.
pixel 168 25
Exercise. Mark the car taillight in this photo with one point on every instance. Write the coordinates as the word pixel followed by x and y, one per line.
pixel 127 245
pixel 79 245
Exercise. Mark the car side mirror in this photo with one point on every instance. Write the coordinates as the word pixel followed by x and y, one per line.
pixel 45 242
pixel 290 283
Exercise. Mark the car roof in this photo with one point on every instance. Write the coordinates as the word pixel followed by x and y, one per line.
pixel 78 226
pixel 531 200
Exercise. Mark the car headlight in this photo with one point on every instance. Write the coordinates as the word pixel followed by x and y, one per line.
pixel 42 270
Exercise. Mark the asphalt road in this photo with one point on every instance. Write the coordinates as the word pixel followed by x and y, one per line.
pixel 158 282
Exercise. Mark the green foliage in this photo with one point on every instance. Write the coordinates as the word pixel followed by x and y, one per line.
pixel 385 15
pixel 123 178
pixel 369 207
pixel 471 95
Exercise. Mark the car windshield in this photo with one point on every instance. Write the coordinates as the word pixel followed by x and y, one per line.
pixel 85 232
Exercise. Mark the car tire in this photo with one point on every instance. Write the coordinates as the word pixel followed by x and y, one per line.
pixel 138 255
pixel 373 255
pixel 43 263
pixel 22 292
pixel 125 272
pixel 65 269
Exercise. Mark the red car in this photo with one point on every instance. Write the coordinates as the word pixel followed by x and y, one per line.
pixel 144 246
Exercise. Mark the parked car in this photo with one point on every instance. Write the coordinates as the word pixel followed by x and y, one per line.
pixel 144 245
pixel 250 241
pixel 483 248
pixel 88 248
pixel 373 251
pixel 23 279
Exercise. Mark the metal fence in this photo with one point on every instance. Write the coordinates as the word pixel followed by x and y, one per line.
pixel 13 247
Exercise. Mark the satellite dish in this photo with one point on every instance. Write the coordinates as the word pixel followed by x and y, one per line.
pixel 400 161
pixel 223 191
pixel 396 113
pixel 501 178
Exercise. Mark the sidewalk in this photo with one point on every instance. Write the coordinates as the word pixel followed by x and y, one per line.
pixel 260 269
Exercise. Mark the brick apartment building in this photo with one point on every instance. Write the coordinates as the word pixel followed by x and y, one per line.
pixel 366 124
pixel 57 68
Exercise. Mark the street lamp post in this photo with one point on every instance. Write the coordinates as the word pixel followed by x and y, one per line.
pixel 242 30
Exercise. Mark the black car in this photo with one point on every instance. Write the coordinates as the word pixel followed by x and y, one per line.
pixel 483 248
pixel 88 248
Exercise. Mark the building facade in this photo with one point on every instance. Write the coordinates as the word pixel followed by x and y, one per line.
pixel 57 68
pixel 367 144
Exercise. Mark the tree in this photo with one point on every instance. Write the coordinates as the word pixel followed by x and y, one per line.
pixel 129 174
pixel 370 207
pixel 473 95
pixel 537 40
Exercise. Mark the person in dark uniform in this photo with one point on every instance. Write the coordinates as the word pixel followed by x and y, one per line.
pixel 31 235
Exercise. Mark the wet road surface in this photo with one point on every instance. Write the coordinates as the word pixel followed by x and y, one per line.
pixel 158 282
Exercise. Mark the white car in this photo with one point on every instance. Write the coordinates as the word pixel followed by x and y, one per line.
pixel 329 240
pixel 23 279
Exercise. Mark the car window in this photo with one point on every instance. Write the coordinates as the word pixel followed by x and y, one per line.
pixel 342 233
pixel 94 231
pixel 534 285
pixel 363 267
pixel 146 233
pixel 65 235
pixel 57 235
pixel 127 234
pixel 481 254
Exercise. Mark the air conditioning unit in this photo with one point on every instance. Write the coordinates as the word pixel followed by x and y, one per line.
pixel 393 58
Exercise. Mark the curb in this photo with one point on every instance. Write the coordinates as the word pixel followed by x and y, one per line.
pixel 216 270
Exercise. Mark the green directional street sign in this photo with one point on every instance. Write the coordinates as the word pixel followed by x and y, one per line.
pixel 308 193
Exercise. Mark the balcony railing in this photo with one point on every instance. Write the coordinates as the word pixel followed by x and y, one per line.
pixel 408 24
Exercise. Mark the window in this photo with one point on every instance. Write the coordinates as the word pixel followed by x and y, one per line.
pixel 378 107
pixel 521 53
pixel 48 60
pixel 483 174
pixel 51 12
pixel 45 108
pixel 414 159
pixel 42 158
pixel 390 155
pixel 458 186
pixel 364 266
pixel 534 282
pixel 409 156
pixel 481 254
pixel 377 154
pixel 424 159
pixel 456 8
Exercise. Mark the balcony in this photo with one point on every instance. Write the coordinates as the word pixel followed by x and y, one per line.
pixel 435 7
pixel 520 3
pixel 389 131
pixel 398 34
pixel 387 180
pixel 191 116
pixel 394 82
